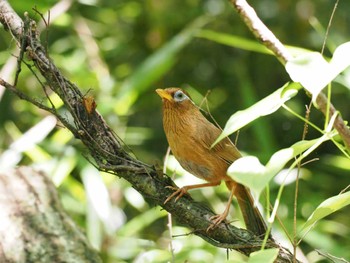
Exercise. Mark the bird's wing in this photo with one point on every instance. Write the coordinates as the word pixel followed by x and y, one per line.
pixel 224 150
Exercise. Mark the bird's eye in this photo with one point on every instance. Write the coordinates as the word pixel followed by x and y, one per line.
pixel 179 96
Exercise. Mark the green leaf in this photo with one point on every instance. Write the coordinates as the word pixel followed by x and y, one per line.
pixel 314 72
pixel 263 107
pixel 28 143
pixel 141 222
pixel 328 207
pixel 243 43
pixel 154 67
pixel 266 256
pixel 250 172
pixel 233 41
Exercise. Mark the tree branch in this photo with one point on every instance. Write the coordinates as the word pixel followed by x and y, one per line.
pixel 10 20
pixel 110 155
pixel 263 34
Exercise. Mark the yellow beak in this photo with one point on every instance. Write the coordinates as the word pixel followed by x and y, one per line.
pixel 164 95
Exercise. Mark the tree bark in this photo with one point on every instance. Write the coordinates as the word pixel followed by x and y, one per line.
pixel 34 227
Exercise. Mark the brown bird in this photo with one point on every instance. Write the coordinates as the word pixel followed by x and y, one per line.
pixel 190 136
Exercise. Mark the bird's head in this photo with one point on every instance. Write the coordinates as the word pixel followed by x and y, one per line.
pixel 175 98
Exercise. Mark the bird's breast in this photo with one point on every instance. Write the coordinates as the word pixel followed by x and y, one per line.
pixel 189 142
pixel 197 159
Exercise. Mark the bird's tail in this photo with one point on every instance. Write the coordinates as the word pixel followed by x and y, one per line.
pixel 251 214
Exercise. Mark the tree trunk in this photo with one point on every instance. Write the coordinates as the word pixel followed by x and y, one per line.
pixel 33 225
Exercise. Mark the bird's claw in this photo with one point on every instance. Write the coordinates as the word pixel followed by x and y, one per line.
pixel 216 220
pixel 178 193
pixel 171 187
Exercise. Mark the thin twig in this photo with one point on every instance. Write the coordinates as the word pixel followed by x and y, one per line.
pixel 47 24
pixel 41 83
pixel 205 100
pixel 331 257
pixel 23 96
pixel 345 189
pixel 310 161
pixel 170 218
pixel 296 192
pixel 329 26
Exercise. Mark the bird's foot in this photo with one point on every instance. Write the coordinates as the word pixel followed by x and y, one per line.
pixel 178 193
pixel 216 220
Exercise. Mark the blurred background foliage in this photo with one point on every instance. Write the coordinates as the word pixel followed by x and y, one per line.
pixel 120 52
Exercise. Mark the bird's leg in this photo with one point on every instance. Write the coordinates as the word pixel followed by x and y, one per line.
pixel 178 193
pixel 217 219
pixel 183 190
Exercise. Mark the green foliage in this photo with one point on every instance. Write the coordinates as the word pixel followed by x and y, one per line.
pixel 250 172
pixel 314 72
pixel 327 207
pixel 268 255
pixel 234 41
pixel 120 52
pixel 154 67
pixel 264 107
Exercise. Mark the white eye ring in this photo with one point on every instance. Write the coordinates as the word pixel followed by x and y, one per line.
pixel 180 96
